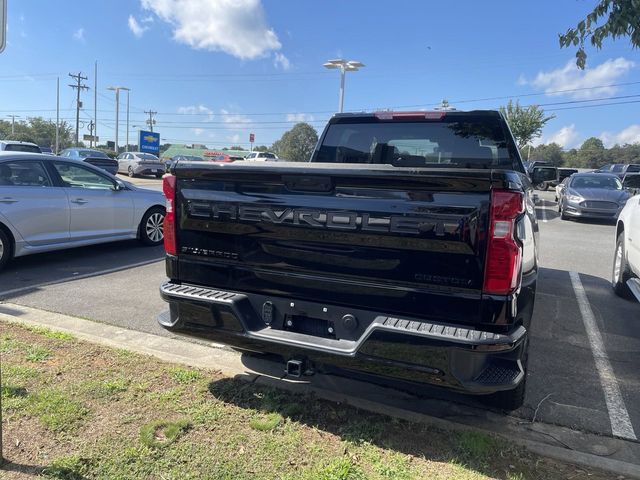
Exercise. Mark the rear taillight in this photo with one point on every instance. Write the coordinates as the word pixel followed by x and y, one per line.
pixel 169 190
pixel 504 256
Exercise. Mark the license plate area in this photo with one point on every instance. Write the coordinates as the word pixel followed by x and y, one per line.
pixel 316 327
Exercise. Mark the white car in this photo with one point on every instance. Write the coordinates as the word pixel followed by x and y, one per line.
pixel 560 187
pixel 626 261
pixel 261 156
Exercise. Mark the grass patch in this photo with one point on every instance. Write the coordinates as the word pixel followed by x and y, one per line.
pixel 104 389
pixel 57 411
pixel 18 372
pixel 265 422
pixel 476 445
pixel 48 333
pixel 162 433
pixel 185 375
pixel 339 469
pixel 38 354
pixel 92 413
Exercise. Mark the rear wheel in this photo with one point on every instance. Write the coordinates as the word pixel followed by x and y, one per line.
pixel 542 186
pixel 512 399
pixel 130 172
pixel 151 227
pixel 5 248
pixel 159 175
pixel 621 272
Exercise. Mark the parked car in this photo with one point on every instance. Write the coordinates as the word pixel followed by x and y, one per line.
pixel 261 156
pixel 406 249
pixel 51 203
pixel 590 195
pixel 631 182
pixel 560 187
pixel 562 174
pixel 45 150
pixel 626 260
pixel 183 158
pixel 140 163
pixel 94 157
pixel 620 169
pixel 16 146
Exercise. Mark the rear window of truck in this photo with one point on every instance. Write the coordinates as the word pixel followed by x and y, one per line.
pixel 452 142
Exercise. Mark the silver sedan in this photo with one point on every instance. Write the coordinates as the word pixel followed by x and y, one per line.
pixel 51 203
pixel 139 163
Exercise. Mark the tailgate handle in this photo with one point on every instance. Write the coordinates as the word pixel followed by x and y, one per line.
pixel 308 184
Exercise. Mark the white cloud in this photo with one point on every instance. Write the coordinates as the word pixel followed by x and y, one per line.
pixel 566 137
pixel 236 27
pixel 571 77
pixel 234 120
pixel 197 110
pixel 279 60
pixel 299 117
pixel 631 134
pixel 234 138
pixel 137 29
pixel 198 131
pixel 79 34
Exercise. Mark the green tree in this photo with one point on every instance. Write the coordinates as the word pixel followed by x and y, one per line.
pixel 592 153
pixel 526 123
pixel 261 148
pixel 39 131
pixel 297 144
pixel 236 147
pixel 621 19
pixel 551 152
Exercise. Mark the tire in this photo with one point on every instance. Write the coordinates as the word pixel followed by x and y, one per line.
pixel 130 172
pixel 542 186
pixel 509 400
pixel 620 272
pixel 159 175
pixel 562 214
pixel 151 227
pixel 6 249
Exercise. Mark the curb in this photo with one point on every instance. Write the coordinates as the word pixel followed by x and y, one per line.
pixel 229 363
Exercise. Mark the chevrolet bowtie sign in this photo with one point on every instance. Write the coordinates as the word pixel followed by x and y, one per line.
pixel 149 142
pixel 3 24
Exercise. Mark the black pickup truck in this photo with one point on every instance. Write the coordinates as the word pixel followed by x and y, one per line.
pixel 406 249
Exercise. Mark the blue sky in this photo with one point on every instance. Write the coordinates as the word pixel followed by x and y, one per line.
pixel 215 70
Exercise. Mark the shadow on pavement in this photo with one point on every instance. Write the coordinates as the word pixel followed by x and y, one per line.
pixel 32 271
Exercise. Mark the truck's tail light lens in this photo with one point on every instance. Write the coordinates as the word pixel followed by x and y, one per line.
pixel 169 190
pixel 504 256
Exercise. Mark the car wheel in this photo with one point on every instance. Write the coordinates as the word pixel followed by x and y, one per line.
pixel 159 175
pixel 5 249
pixel 542 186
pixel 151 227
pixel 621 272
pixel 512 399
pixel 130 172
pixel 563 216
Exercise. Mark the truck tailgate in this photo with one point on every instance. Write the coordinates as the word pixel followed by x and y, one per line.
pixel 396 240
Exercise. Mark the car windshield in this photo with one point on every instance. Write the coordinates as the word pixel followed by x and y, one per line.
pixel 470 141
pixel 21 147
pixel 266 155
pixel 92 153
pixel 596 181
pixel 633 168
pixel 147 156
pixel 632 181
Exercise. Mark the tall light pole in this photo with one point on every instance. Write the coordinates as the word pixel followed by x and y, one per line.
pixel 128 90
pixel 344 66
pixel 117 90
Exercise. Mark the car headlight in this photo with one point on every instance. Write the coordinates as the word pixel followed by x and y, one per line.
pixel 575 198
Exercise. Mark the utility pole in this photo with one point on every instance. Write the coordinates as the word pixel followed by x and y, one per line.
pixel 79 86
pixel 151 121
pixel 57 116
pixel 13 121
pixel 95 106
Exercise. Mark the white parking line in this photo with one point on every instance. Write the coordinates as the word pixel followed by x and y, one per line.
pixel 618 415
pixel 544 215
pixel 78 277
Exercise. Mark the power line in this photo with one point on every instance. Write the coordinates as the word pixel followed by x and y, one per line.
pixel 151 121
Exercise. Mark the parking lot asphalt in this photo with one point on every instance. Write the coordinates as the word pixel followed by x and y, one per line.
pixel 118 284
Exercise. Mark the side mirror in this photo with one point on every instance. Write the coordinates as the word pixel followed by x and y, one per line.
pixel 543 174
pixel 119 186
